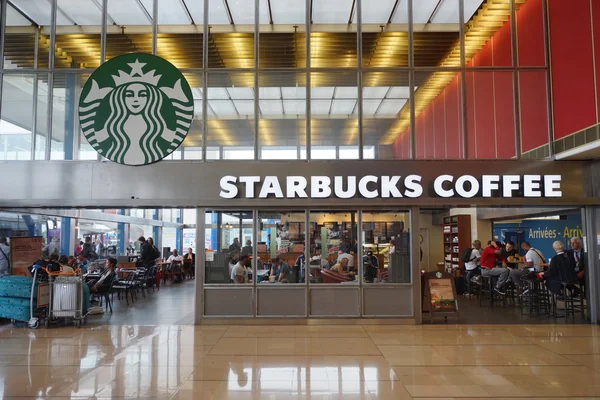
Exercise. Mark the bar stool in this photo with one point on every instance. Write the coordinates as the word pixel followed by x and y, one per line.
pixel 567 288
pixel 487 291
pixel 537 299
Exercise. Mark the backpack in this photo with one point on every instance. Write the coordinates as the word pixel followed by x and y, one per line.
pixel 466 255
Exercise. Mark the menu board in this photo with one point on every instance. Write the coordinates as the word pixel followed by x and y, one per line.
pixel 439 294
pixel 24 251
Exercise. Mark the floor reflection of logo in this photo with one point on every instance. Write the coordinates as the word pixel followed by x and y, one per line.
pixel 136 109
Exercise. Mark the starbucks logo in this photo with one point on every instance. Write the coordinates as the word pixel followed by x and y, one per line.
pixel 136 109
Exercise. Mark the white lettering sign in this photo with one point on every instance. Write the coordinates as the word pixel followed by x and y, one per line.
pixel 372 186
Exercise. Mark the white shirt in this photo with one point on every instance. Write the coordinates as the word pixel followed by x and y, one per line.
pixel 536 257
pixel 66 269
pixel 237 270
pixel 174 258
pixel 4 261
pixel 346 256
pixel 471 265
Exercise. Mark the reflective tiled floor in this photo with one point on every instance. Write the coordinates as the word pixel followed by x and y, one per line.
pixel 301 362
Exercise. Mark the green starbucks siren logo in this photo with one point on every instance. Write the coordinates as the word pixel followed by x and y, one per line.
pixel 136 109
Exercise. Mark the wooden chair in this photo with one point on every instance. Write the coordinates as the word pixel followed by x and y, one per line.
pixel 165 272
pixel 176 270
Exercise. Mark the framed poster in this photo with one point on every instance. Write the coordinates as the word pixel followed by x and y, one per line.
pixel 24 251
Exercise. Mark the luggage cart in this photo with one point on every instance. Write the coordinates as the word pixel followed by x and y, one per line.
pixel 66 297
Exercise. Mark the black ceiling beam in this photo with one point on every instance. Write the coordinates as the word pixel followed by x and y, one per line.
pixel 394 9
pixel 270 13
pixel 352 11
pixel 229 15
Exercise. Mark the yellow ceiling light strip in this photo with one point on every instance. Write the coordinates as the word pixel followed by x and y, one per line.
pixel 492 15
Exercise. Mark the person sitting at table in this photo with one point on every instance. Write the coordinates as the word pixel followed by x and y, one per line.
pixel 561 269
pixel 342 268
pixel 533 257
pixel 102 284
pixel 342 255
pixel 281 271
pixel 63 261
pixel 175 257
pixel 511 258
pixel 238 271
pixel 247 249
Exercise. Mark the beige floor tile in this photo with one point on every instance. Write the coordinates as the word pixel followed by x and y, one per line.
pixel 294 346
pixel 591 360
pixel 450 337
pixel 569 344
pixel 552 330
pixel 193 390
pixel 500 355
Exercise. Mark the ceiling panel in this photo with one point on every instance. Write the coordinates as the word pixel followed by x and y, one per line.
pixel 170 12
pixel 399 92
pixel 331 11
pixel 196 9
pixel 391 107
pixel 269 93
pixel 342 107
pixel 39 11
pixel 271 107
pixel 320 107
pixel 128 12
pixel 83 12
pixel 13 18
pixel 294 107
pixel 370 106
pixel 294 92
pixel 378 12
pixel 241 93
pixel 375 92
pixel 245 107
pixel 322 92
pixel 217 93
pixel 422 11
pixel 346 93
pixel 470 7
pixel 217 13
pixel 222 108
pixel 288 12
pixel 242 12
pixel 446 13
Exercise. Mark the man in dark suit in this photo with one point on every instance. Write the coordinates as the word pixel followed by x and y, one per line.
pixel 577 257
pixel 561 269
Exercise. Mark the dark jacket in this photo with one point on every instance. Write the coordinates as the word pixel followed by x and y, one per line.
pixel 581 266
pixel 561 269
pixel 147 253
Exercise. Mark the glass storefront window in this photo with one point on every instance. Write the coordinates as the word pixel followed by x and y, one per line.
pixel 227 233
pixel 280 247
pixel 16 119
pixel 333 247
pixel 386 247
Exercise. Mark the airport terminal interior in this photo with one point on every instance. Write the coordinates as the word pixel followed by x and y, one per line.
pixel 456 144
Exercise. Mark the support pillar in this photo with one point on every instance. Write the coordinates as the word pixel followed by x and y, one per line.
pixel 65 235
pixel 415 263
pixel 591 218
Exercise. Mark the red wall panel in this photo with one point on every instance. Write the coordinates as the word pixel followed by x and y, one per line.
pixel 501 47
pixel 420 137
pixel 429 135
pixel 505 114
pixel 572 66
pixel 453 133
pixel 534 115
pixel 596 33
pixel 484 115
pixel 530 32
pixel 471 140
pixel 439 125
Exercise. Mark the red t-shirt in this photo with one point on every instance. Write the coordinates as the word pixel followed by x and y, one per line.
pixel 489 257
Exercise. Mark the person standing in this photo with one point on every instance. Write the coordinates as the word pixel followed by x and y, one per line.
pixel 146 252
pixel 191 257
pixel 235 246
pixel 4 257
pixel 488 265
